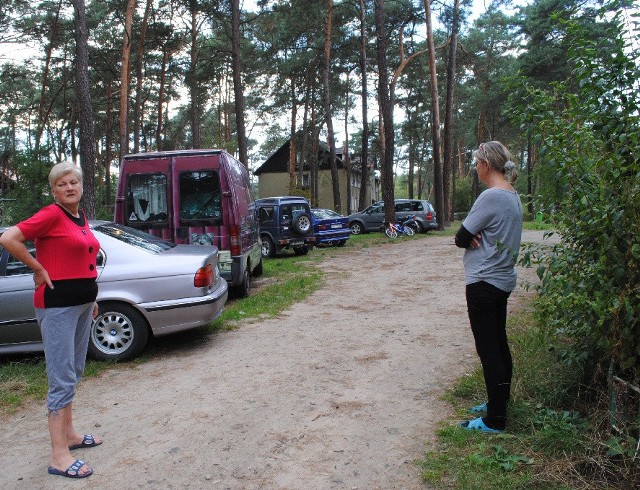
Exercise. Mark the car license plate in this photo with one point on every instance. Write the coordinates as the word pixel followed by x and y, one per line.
pixel 296 243
pixel 336 225
pixel 224 261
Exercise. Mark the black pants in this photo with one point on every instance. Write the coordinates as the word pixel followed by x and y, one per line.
pixel 487 308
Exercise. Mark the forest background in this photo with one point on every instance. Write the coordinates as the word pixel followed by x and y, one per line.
pixel 170 74
pixel 416 87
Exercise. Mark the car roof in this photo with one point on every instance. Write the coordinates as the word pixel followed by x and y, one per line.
pixel 280 199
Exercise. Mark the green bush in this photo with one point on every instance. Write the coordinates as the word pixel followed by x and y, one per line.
pixel 588 134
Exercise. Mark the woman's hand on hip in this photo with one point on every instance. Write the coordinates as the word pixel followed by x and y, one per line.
pixel 40 277
pixel 475 241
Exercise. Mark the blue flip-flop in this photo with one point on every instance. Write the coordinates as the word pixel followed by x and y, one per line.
pixel 72 471
pixel 482 408
pixel 87 441
pixel 478 424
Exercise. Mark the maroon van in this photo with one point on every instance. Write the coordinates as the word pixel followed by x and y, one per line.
pixel 201 197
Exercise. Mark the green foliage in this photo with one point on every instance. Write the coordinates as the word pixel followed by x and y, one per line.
pixel 547 442
pixel 589 144
pixel 29 190
pixel 464 194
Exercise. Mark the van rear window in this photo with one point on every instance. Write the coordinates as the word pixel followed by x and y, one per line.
pixel 200 197
pixel 146 199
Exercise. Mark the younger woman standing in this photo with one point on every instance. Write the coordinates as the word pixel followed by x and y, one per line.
pixel 491 235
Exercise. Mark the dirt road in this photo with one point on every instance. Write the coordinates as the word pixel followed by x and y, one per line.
pixel 341 391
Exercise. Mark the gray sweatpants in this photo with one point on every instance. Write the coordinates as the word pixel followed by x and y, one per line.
pixel 65 334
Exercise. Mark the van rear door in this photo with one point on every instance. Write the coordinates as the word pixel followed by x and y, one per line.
pixel 144 195
pixel 200 209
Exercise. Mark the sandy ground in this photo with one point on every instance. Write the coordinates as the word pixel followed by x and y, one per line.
pixel 342 391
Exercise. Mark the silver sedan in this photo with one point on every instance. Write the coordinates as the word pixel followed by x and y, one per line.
pixel 147 287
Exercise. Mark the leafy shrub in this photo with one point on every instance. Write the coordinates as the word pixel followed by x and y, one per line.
pixel 590 141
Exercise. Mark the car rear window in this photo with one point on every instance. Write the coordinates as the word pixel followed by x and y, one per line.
pixel 135 238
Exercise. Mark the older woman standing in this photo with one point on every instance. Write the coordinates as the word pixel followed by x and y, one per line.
pixel 491 235
pixel 65 293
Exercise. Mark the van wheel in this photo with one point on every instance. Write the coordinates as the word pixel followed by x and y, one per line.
pixel 302 224
pixel 304 250
pixel 118 333
pixel 268 249
pixel 257 270
pixel 242 289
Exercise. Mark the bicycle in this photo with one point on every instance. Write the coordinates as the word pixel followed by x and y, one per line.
pixel 402 227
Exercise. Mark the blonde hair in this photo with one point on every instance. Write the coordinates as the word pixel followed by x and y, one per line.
pixel 497 155
pixel 64 168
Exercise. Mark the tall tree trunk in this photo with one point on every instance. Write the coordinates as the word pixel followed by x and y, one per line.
pixel 313 178
pixel 364 152
pixel 43 115
pixel 346 162
pixel 530 163
pixel 292 139
pixel 435 122
pixel 124 79
pixel 163 77
pixel 327 110
pixel 108 144
pixel 413 153
pixel 304 151
pixel 83 96
pixel 386 113
pixel 448 116
pixel 137 109
pixel 237 82
pixel 194 86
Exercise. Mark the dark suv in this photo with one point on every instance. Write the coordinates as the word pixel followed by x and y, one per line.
pixel 285 222
pixel 372 218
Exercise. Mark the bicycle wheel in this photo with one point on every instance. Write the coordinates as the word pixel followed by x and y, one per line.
pixel 409 231
pixel 391 232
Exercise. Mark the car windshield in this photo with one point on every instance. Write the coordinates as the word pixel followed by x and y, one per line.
pixel 134 237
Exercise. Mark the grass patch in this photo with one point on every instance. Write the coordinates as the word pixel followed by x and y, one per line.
pixel 537 225
pixel 549 444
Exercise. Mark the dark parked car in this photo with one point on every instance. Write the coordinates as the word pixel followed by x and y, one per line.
pixel 147 287
pixel 329 227
pixel 285 222
pixel 372 218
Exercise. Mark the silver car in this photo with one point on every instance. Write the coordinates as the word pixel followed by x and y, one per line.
pixel 372 218
pixel 147 287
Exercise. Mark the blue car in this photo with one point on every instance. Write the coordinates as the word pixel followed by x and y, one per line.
pixel 329 227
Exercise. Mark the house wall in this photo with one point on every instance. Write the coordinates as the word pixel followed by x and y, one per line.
pixel 273 184
pixel 277 184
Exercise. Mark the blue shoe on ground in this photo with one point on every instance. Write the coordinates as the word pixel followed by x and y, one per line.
pixel 72 471
pixel 87 441
pixel 482 408
pixel 478 424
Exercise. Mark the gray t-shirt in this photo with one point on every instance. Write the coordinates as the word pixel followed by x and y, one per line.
pixel 497 215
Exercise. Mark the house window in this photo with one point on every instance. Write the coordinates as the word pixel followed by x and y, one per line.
pixel 305 181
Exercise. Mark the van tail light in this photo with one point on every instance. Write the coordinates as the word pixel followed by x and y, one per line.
pixel 234 237
pixel 204 277
pixel 429 216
